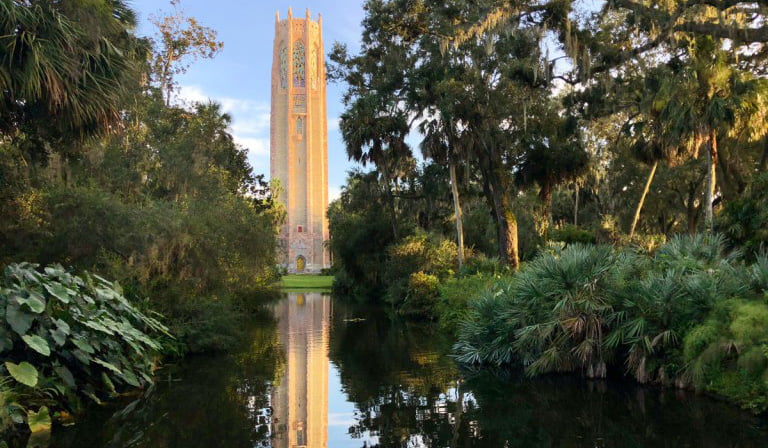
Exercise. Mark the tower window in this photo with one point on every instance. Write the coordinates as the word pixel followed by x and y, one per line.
pixel 300 229
pixel 298 64
pixel 300 126
pixel 283 68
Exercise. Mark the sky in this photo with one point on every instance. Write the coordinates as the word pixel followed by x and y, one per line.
pixel 239 76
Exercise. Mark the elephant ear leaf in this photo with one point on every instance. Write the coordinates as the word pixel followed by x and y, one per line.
pixel 19 320
pixel 35 302
pixel 66 375
pixel 37 344
pixel 25 373
pixel 39 421
pixel 59 291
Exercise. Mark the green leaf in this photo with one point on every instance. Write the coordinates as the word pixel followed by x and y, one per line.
pixel 83 345
pixel 62 325
pixel 37 344
pixel 25 373
pixel 59 291
pixel 18 319
pixel 108 384
pixel 82 356
pixel 36 303
pixel 58 336
pixel 107 365
pixel 130 378
pixel 98 327
pixel 39 421
pixel 66 375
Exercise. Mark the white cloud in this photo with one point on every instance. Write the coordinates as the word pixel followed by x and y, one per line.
pixel 256 146
pixel 334 193
pixel 333 124
pixel 344 419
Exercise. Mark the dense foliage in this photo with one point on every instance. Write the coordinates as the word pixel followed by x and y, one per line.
pixel 618 122
pixel 101 170
pixel 162 200
pixel 690 315
pixel 63 337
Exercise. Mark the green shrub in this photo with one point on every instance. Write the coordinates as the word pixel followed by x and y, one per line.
pixel 646 243
pixel 455 296
pixel 728 354
pixel 691 314
pixel 570 234
pixel 486 334
pixel 421 297
pixel 743 220
pixel 74 335
pixel 551 317
pixel 480 264
pixel 421 252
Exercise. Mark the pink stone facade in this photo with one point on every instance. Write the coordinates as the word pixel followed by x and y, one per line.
pixel 299 141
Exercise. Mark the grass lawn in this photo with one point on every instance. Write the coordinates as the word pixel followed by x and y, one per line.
pixel 307 282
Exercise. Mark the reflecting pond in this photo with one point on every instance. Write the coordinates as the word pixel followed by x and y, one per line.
pixel 320 373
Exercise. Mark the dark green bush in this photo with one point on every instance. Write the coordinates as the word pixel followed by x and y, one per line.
pixel 743 220
pixel 423 253
pixel 455 296
pixel 570 234
pixel 594 308
pixel 421 296
pixel 74 336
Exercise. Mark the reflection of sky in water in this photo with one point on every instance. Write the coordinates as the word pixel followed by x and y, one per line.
pixel 341 415
pixel 360 378
pixel 301 403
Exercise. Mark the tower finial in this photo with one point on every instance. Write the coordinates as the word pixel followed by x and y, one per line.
pixel 277 16
pixel 309 17
pixel 290 13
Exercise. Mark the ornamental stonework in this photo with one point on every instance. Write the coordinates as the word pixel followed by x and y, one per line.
pixel 298 141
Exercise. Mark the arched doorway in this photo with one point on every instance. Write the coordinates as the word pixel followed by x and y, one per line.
pixel 301 263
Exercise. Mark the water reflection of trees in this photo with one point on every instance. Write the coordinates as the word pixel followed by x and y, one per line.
pixel 407 393
pixel 397 375
pixel 206 402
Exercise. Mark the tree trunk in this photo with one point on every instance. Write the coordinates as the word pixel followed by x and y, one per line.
pixel 545 196
pixel 576 205
pixel 390 199
pixel 764 159
pixel 457 212
pixel 711 179
pixel 506 228
pixel 642 198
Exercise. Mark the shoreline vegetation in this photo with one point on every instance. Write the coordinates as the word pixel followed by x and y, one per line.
pixel 571 206
pixel 127 232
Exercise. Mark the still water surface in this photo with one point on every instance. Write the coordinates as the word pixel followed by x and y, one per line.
pixel 319 373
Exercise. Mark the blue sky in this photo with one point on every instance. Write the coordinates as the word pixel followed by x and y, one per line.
pixel 239 76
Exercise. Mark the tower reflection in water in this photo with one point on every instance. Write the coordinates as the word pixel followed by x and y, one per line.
pixel 300 393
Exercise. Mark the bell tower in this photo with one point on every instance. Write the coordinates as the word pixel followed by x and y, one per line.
pixel 299 141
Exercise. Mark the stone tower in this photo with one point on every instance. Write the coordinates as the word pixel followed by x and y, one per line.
pixel 299 141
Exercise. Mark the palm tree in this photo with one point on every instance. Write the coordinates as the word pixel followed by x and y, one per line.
pixel 373 134
pixel 66 66
pixel 713 97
